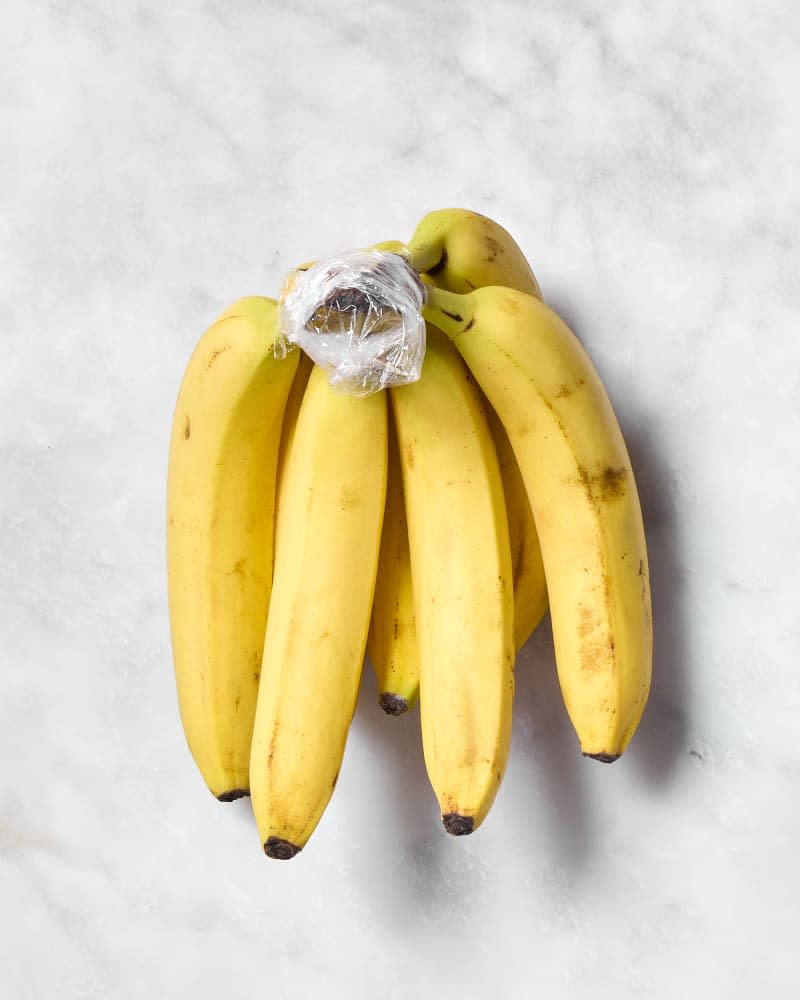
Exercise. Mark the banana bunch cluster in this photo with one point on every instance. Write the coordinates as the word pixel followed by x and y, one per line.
pixel 431 525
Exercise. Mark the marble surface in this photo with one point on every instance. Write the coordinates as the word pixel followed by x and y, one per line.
pixel 159 161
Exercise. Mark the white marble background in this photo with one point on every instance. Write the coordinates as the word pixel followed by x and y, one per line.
pixel 158 161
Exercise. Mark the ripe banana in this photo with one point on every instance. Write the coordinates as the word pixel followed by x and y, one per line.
pixel 484 254
pixel 327 538
pixel 220 513
pixel 296 393
pixel 462 250
pixel 579 480
pixel 392 641
pixel 530 587
pixel 461 567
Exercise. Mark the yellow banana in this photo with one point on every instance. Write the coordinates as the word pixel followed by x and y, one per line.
pixel 472 251
pixel 462 250
pixel 327 538
pixel 392 641
pixel 579 480
pixel 461 566
pixel 296 393
pixel 530 588
pixel 485 253
pixel 220 515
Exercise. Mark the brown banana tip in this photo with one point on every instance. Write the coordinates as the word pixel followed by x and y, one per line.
pixel 233 794
pixel 458 825
pixel 393 704
pixel 604 758
pixel 281 850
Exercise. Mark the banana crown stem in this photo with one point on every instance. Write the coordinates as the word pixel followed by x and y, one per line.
pixel 450 312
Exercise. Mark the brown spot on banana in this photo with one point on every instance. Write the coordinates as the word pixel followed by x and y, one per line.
pixel 612 483
pixel 587 623
pixel 455 317
pixel 564 391
pixel 493 249
pixel 609 484
pixel 215 354
pixel 187 428
pixel 597 654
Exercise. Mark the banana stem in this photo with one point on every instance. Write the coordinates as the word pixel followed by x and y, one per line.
pixel 424 256
pixel 450 312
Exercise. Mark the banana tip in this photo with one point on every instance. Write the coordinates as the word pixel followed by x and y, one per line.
pixel 393 704
pixel 233 794
pixel 604 758
pixel 458 825
pixel 281 850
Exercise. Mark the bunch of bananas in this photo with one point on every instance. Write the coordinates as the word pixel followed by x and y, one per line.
pixel 431 525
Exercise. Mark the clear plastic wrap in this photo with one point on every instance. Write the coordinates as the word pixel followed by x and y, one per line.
pixel 357 315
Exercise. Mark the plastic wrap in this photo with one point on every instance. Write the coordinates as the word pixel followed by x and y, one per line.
pixel 357 315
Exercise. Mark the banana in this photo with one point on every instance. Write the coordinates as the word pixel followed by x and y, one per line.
pixel 579 480
pixel 484 253
pixel 530 587
pixel 461 568
pixel 296 393
pixel 327 539
pixel 220 513
pixel 462 250
pixel 392 641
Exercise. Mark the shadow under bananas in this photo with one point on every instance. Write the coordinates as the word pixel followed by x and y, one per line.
pixel 546 768
pixel 660 744
pixel 407 846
